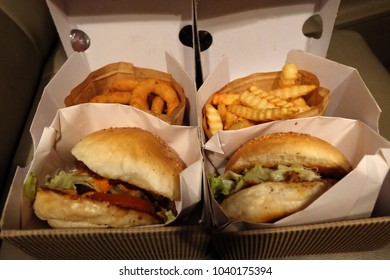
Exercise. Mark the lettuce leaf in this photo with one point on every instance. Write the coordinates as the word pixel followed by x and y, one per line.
pixel 30 186
pixel 62 181
pixel 230 182
pixel 220 186
pixel 66 181
pixel 169 216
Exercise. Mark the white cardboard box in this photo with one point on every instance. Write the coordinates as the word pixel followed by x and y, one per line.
pixel 276 30
pixel 353 197
pixel 257 35
pixel 74 123
pixel 142 33
pixel 145 34
pixel 260 36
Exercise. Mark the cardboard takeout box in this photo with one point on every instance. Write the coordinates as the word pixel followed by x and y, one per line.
pixel 74 123
pixel 352 216
pixel 246 37
pixel 148 36
pixel 53 153
pixel 144 35
pixel 353 197
pixel 255 37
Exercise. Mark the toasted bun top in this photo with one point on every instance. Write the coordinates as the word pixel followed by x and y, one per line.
pixel 135 156
pixel 290 148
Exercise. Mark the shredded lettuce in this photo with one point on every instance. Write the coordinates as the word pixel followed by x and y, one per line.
pixel 63 180
pixel 169 216
pixel 230 182
pixel 66 181
pixel 221 187
pixel 30 186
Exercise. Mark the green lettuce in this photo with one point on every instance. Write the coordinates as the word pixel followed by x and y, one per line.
pixel 66 181
pixel 62 181
pixel 169 216
pixel 230 182
pixel 30 186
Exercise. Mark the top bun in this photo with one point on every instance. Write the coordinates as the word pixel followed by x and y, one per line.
pixel 290 148
pixel 135 156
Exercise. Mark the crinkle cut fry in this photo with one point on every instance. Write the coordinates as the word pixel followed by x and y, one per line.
pixel 293 91
pixel 264 114
pixel 213 119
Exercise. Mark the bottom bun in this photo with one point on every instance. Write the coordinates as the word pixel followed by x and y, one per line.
pixel 63 211
pixel 270 201
pixel 69 224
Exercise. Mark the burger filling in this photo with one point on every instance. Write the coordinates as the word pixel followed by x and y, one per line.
pixel 88 185
pixel 231 182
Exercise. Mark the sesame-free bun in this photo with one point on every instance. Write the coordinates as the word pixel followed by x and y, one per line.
pixel 290 148
pixel 135 156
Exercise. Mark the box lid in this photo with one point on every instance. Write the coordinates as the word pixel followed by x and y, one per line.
pixel 139 32
pixel 257 35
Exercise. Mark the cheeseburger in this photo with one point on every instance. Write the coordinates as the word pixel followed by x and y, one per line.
pixel 125 177
pixel 270 177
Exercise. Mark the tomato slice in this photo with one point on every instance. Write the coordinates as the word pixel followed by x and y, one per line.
pixel 125 201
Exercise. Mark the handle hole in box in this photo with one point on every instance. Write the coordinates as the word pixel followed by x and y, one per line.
pixel 205 40
pixel 313 27
pixel 185 36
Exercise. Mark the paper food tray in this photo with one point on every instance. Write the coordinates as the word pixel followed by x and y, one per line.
pixel 346 215
pixel 53 152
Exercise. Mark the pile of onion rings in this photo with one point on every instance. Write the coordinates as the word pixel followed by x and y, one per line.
pixel 153 95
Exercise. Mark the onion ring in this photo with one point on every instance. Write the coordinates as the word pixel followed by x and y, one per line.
pixel 123 85
pixel 157 105
pixel 139 97
pixel 122 97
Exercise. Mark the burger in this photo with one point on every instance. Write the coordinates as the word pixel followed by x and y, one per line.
pixel 272 176
pixel 125 177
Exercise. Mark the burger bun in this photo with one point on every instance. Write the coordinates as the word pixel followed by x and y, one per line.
pixel 135 156
pixel 64 211
pixel 270 201
pixel 290 148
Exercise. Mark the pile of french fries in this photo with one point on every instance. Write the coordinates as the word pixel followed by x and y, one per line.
pixel 229 111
